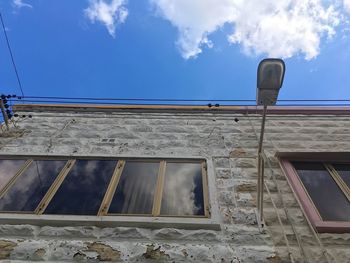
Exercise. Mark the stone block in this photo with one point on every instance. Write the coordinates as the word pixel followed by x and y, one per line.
pixel 67 232
pixel 245 216
pixel 125 233
pixel 223 173
pixel 221 162
pixel 226 198
pixel 17 231
pixel 242 234
pixel 244 162
pixel 223 184
pixel 6 247
pixel 257 254
pixel 246 199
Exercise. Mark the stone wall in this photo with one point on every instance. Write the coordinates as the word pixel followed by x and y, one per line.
pixel 231 148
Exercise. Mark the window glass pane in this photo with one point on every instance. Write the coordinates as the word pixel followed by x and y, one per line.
pixel 344 172
pixel 8 168
pixel 135 190
pixel 183 190
pixel 83 189
pixel 31 186
pixel 324 192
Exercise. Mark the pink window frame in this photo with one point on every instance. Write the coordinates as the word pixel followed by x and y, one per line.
pixel 308 207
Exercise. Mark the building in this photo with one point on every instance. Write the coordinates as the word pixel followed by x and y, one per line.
pixel 88 183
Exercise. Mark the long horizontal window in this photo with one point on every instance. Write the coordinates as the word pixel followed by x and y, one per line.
pixel 104 187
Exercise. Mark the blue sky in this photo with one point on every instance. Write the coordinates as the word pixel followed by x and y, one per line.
pixel 199 49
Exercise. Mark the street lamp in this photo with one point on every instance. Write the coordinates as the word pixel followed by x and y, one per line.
pixel 269 81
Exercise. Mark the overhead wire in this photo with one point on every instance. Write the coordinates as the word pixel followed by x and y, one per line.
pixel 146 101
pixel 134 99
pixel 215 103
pixel 176 100
pixel 11 54
pixel 209 103
pixel 154 99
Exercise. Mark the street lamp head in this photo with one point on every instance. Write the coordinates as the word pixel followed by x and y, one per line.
pixel 270 79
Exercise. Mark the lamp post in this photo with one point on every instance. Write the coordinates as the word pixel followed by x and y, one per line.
pixel 269 81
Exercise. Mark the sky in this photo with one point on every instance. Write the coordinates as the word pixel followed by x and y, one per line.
pixel 178 49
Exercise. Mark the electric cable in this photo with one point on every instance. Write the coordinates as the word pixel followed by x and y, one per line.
pixel 134 99
pixel 177 100
pixel 11 54
pixel 279 103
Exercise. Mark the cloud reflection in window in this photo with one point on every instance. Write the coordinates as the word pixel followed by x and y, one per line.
pixel 31 186
pixel 8 168
pixel 136 188
pixel 183 190
pixel 82 191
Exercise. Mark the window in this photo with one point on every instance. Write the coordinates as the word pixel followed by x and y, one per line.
pixel 29 188
pixel 104 187
pixel 323 189
pixel 183 189
pixel 82 189
pixel 136 189
pixel 8 169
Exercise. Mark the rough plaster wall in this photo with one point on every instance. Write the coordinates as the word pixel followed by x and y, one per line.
pixel 232 148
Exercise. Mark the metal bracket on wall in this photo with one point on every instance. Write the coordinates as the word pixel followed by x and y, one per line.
pixel 2 106
pixel 260 221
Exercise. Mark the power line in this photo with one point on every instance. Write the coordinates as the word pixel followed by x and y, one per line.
pixel 131 99
pixel 317 100
pixel 87 99
pixel 176 100
pixel 159 102
pixel 10 51
pixel 114 101
pixel 118 103
pixel 152 99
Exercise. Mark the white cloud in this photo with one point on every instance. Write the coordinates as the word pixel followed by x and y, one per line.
pixel 277 28
pixel 110 14
pixel 346 4
pixel 195 20
pixel 20 4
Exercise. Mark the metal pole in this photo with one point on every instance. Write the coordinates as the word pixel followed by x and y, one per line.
pixel 260 188
pixel 4 114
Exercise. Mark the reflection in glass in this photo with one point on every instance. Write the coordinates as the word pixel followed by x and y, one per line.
pixel 344 172
pixel 83 189
pixel 31 186
pixel 324 192
pixel 135 190
pixel 8 168
pixel 183 190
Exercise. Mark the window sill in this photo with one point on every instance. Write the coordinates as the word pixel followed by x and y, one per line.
pixel 110 221
pixel 332 227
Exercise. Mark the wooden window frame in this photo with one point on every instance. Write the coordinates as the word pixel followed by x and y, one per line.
pixel 54 187
pixel 14 178
pixel 28 161
pixel 157 200
pixel 205 186
pixel 307 205
pixel 113 183
pixel 158 193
